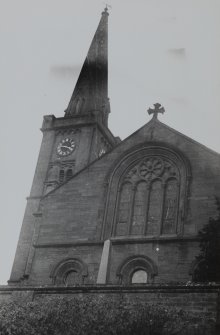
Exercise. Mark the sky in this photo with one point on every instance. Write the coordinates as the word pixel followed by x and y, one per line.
pixel 165 51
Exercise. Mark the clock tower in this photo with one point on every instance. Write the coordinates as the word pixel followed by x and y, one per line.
pixel 72 142
pixel 82 135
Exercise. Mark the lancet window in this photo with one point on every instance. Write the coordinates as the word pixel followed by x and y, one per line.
pixel 61 176
pixel 69 174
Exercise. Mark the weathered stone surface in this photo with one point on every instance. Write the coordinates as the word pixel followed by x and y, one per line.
pixel 77 215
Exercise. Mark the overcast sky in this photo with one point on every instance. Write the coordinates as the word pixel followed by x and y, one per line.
pixel 165 51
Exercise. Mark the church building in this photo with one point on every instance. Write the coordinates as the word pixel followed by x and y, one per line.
pixel 112 212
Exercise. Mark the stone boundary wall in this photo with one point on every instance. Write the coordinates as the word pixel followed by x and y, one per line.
pixel 204 299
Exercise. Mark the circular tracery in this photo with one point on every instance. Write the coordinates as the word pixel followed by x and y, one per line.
pixel 151 167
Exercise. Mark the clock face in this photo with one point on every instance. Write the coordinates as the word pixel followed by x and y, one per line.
pixel 66 147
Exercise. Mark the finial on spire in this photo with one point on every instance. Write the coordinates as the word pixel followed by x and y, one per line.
pixel 107 6
pixel 157 109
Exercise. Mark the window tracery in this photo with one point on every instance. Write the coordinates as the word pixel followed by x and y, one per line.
pixel 153 182
pixel 148 198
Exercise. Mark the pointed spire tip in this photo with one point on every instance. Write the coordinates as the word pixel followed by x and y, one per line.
pixel 91 91
pixel 106 12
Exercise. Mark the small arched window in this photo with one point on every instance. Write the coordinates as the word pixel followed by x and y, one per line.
pixel 61 176
pixel 69 174
pixel 137 269
pixel 69 272
pixel 139 277
pixel 72 278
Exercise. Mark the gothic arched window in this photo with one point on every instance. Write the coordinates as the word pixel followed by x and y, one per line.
pixel 124 209
pixel 170 207
pixel 147 194
pixel 148 198
pixel 154 209
pixel 139 212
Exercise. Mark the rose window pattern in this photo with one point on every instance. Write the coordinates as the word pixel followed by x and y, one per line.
pixel 151 167
pixel 148 198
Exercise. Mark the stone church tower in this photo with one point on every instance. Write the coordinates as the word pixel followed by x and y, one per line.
pixel 106 211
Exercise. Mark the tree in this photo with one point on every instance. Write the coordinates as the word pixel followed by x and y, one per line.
pixel 208 268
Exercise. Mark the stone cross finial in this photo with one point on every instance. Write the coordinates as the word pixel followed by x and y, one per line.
pixel 157 109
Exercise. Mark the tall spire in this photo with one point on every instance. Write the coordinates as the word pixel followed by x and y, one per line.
pixel 91 91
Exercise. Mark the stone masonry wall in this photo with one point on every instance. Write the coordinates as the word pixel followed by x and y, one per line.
pixel 75 212
pixel 199 299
